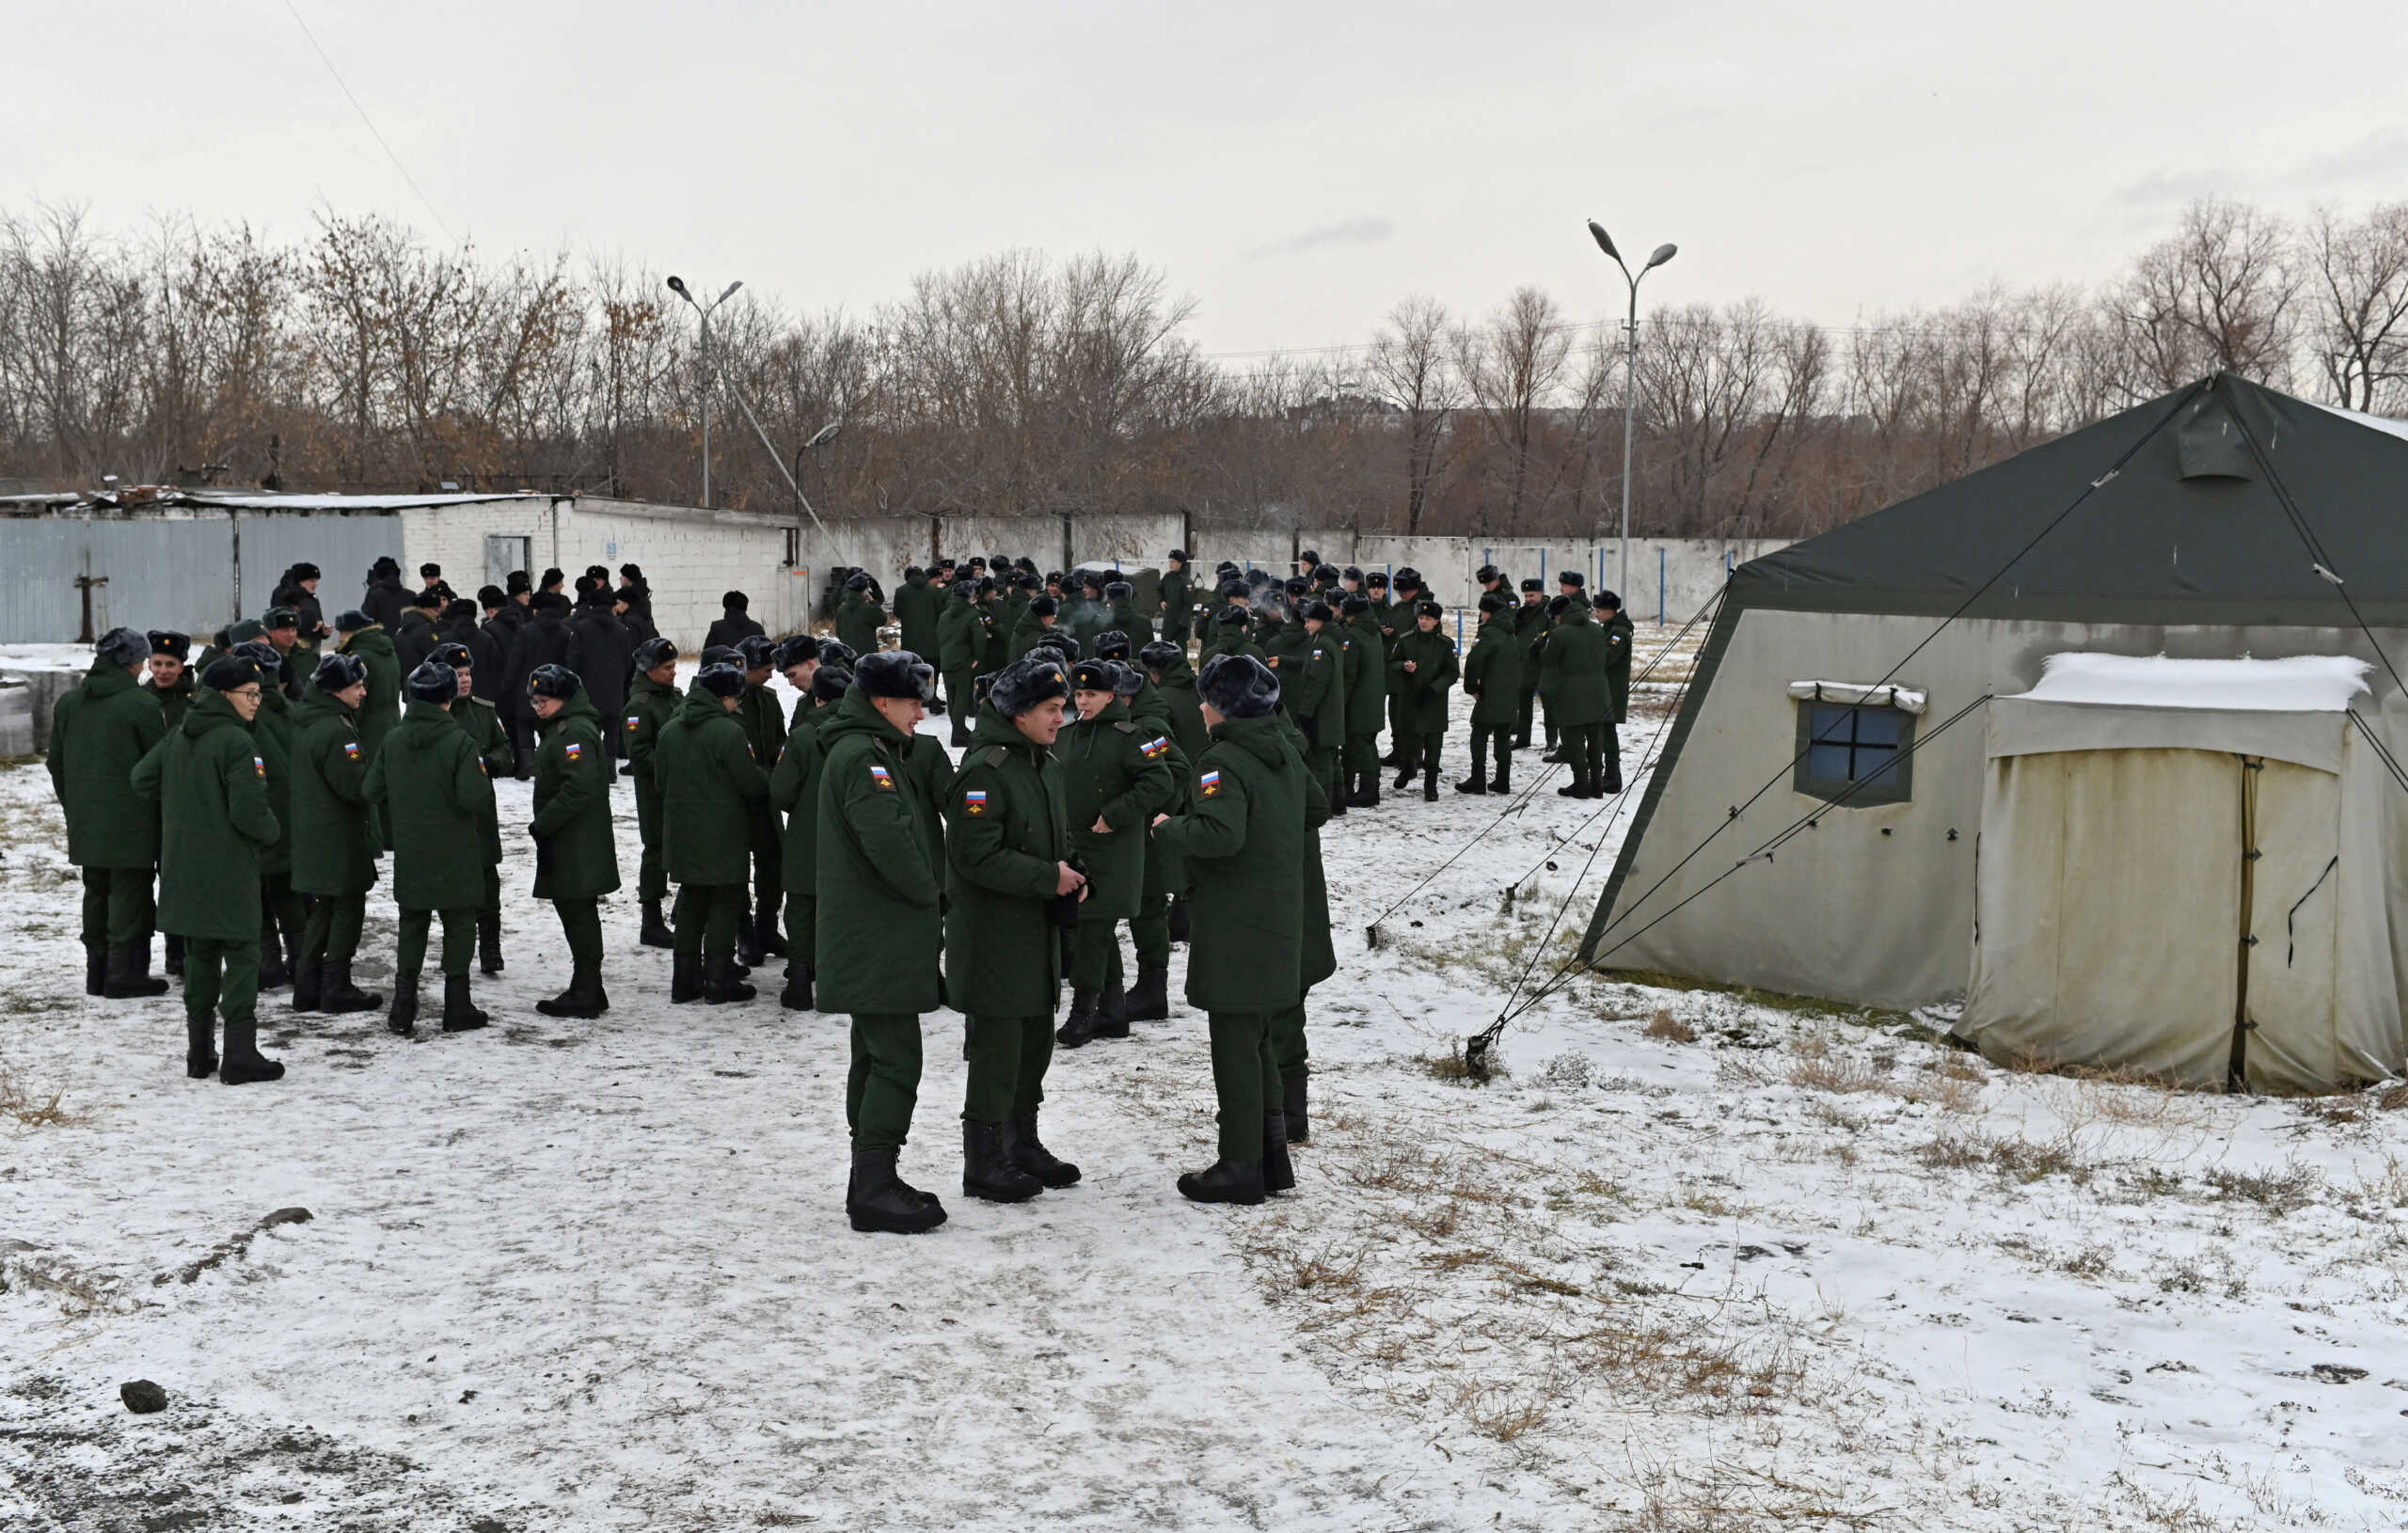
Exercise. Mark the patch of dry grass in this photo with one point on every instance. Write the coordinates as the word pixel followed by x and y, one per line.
pixel 1670 1028
pixel 30 1107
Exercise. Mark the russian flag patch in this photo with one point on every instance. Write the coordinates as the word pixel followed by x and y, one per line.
pixel 259 767
pixel 1210 784
pixel 1155 747
pixel 635 720
pixel 974 800
pixel 575 749
pixel 880 776
pixel 351 749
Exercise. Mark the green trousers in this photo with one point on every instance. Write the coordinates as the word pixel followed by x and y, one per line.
pixel 1008 1058
pixel 1423 750
pixel 768 859
pixel 1095 954
pixel 281 913
pixel 1150 928
pixel 118 907
pixel 1363 752
pixel 1530 716
pixel 581 926
pixel 802 928
pixel 959 692
pixel 706 918
pixel 1288 1052
pixel 653 882
pixel 1481 736
pixel 1246 1078
pixel 333 933
pixel 1321 760
pixel 883 1085
pixel 1584 750
pixel 1401 733
pixel 221 975
pixel 491 904
pixel 459 940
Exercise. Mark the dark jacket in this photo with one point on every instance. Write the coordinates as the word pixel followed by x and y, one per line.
pixel 882 852
pixel 489 664
pixel 1312 686
pixel 733 625
pixel 1572 673
pixel 381 710
pixel 273 731
pixel 482 723
pixel 174 700
pixel 429 786
pixel 602 653
pixel 961 636
pixel 708 784
pixel 215 825
pixel 649 707
pixel 333 835
pixel 1178 615
pixel 794 792
pixel 1367 664
pixel 577 854
pixel 98 734
pixel 764 724
pixel 414 639
pixel 858 619
pixel 1186 710
pixel 544 641
pixel 1493 672
pixel 384 602
pixel 1424 688
pixel 1243 843
pixel 1618 637
pixel 1113 770
pixel 917 606
pixel 1007 829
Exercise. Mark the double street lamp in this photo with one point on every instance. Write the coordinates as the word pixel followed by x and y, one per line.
pixel 677 286
pixel 1630 375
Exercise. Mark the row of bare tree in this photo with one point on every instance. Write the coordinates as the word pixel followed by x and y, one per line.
pixel 366 358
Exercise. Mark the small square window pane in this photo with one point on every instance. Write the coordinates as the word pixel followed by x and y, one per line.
pixel 1879 726
pixel 1828 763
pixel 1877 765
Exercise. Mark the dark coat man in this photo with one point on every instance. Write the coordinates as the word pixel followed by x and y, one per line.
pixel 652 703
pixel 1530 627
pixel 1042 615
pixel 357 635
pixel 709 785
pixel 765 731
pixel 98 734
pixel 171 676
pixel 1423 663
pixel 431 787
pixel 859 618
pixel 1367 667
pixel 384 598
pixel 333 835
pixel 1179 606
pixel 273 731
pixel 1493 678
pixel 961 643
pixel 794 792
pixel 215 824
pixel 414 634
pixel 577 854
pixel 601 653
pixel 1574 678
pixel 1116 778
pixel 1314 685
pixel 917 606
pixel 298 591
pixel 481 723
pixel 735 622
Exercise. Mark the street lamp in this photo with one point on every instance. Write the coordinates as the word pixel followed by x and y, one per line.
pixel 821 438
pixel 677 286
pixel 1630 375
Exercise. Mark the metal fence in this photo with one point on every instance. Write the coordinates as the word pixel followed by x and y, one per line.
pixel 65 577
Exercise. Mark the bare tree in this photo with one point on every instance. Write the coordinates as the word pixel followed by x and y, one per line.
pixel 2359 326
pixel 2218 295
pixel 1412 363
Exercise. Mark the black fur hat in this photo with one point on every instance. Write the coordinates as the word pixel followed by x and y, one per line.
pixel 225 674
pixel 1572 578
pixel 1318 612
pixel 893 673
pixel 735 600
pixel 799 649
pixel 1428 610
pixel 654 651
pixel 1043 606
pixel 260 654
pixel 353 620
pixel 453 613
pixel 123 647
pixel 630 572
pixel 550 601
pixel 1407 578
pixel 1355 607
pixel 1557 605
pixel 1060 641
pixel 429 572
pixel 1112 644
pixel 551 577
pixel 1092 676
pixel 339 671
pixel 1352 573
pixel 432 682
pixel 452 654
pixel 1377 577
pixel 1488 573
pixel 384 564
pixel 598 572
pixel 1324 574
pixel 1127 681
pixel 913 572
pixel 1532 583
pixel 857 581
pixel 516 582
pixel 1309 557
pixel 1607 601
pixel 427 596
pixel 1092 580
pixel 720 679
pixel 1178 556
pixel 552 681
pixel 305 572
pixel 282 617
pixel 1159 655
pixel 490 596
pixel 167 642
pixel 836 652
pixel 1296 585
pixel 1232 590
pixel 1239 687
pixel 1118 591
pixel 1235 617
pixel 829 683
pixel 723 654
pixel 759 651
pixel 1027 682
pixel 1496 601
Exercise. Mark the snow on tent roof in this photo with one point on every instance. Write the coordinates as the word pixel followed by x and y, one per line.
pixel 2298 684
pixel 2372 422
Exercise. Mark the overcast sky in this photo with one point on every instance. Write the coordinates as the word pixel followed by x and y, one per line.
pixel 1296 168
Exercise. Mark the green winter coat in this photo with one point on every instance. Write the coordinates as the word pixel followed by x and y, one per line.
pixel 334 832
pixel 794 793
pixel 1006 827
pixel 1126 619
pixel 765 724
pixel 1178 687
pixel 577 854
pixel 882 852
pixel 429 786
pixel 1426 685
pixel 174 700
pixel 1618 637
pixel 274 733
pixel 650 707
pixel 1367 686
pixel 1572 672
pixel 1319 954
pixel 1024 636
pixel 1113 770
pixel 918 607
pixel 1243 843
pixel 380 712
pixel 1493 673
pixel 961 639
pixel 480 721
pixel 1179 611
pixel 1530 629
pixel 98 734
pixel 216 827
pixel 857 621
pixel 709 785
pixel 1312 686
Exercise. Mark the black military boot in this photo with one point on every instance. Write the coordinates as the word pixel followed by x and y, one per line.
pixel 175 965
pixel 1029 1153
pixel 1227 1181
pixel 797 995
pixel 1278 1173
pixel 459 1013
pixel 986 1172
pixel 127 978
pixel 402 1017
pixel 1293 1093
pixel 879 1202
pixel 1403 779
pixel 961 729
pixel 273 974
pixel 96 968
pixel 1367 796
pixel 1477 786
pixel 749 955
pixel 720 984
pixel 766 934
pixel 656 930
pixel 201 1048
pixel 1612 782
pixel 1112 1012
pixel 1503 780
pixel 308 984
pixel 243 1062
pixel 1430 784
pixel 1151 1000
pixel 1178 918
pixel 488 942
pixel 338 994
pixel 685 978
pixel 1079 1027
pixel 583 997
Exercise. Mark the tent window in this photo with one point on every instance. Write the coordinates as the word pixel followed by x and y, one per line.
pixel 1840 747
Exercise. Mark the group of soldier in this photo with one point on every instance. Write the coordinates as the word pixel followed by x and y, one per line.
pixel 1103 779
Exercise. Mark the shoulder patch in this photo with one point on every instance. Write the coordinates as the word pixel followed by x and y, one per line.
pixel 996 754
pixel 575 751
pixel 351 749
pixel 635 720
pixel 1156 747
pixel 1124 726
pixel 880 776
pixel 973 801
pixel 258 766
pixel 1210 784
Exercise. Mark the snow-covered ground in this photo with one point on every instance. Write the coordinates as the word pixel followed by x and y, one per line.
pixel 1694 1261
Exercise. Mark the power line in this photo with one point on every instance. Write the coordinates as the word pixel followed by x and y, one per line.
pixel 342 84
pixel 1668 320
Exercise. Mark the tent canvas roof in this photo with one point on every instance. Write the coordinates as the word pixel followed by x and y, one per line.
pixel 2191 526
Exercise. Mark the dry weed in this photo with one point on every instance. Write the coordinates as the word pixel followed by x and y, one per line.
pixel 29 1107
pixel 2279 1192
pixel 1497 1411
pixel 1665 1026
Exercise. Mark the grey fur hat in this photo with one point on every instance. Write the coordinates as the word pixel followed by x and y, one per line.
pixel 836 652
pixel 1092 676
pixel 1239 687
pixel 1112 644
pixel 1127 680
pixel 1027 682
pixel 225 674
pixel 797 649
pixel 758 650
pixel 432 682
pixel 1118 591
pixel 339 671
pixel 893 673
pixel 553 681
pixel 654 653
pixel 1159 655
pixel 829 683
pixel 127 647
pixel 721 678
pixel 723 654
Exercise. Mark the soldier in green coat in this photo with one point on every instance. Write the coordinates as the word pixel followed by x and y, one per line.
pixel 1236 638
pixel 1042 613
pixel 764 718
pixel 1117 778
pixel 481 720
pixel 1314 684
pixel 577 854
pixel 1493 679
pixel 918 607
pixel 1178 604
pixel 359 634
pixel 1287 1027
pixel 1619 633
pixel 1244 844
pixel 1423 662
pixel 98 732
pixel 210 786
pixel 433 790
pixel 793 791
pixel 1395 624
pixel 333 835
pixel 881 858
pixel 1120 599
pixel 1573 677
pixel 1530 623
pixel 962 640
pixel 1367 686
pixel 651 702
pixel 1008 872
pixel 709 783
pixel 858 618
pixel 282 918
pixel 171 676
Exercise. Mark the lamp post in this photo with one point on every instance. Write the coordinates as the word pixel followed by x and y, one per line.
pixel 677 286
pixel 821 438
pixel 1630 375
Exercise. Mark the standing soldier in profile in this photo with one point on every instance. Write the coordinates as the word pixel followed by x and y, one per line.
pixel 1618 637
pixel 858 618
pixel 481 720
pixel 1315 690
pixel 210 786
pixel 577 856
pixel 282 918
pixel 1012 889
pixel 764 734
pixel 793 791
pixel 98 734
pixel 709 783
pixel 333 834
pixel 1366 687
pixel 357 634
pixel 1423 661
pixel 1530 626
pixel 1493 679
pixel 1116 778
pixel 1572 678
pixel 651 702
pixel 1178 606
pixel 961 639
pixel 432 787
pixel 918 607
